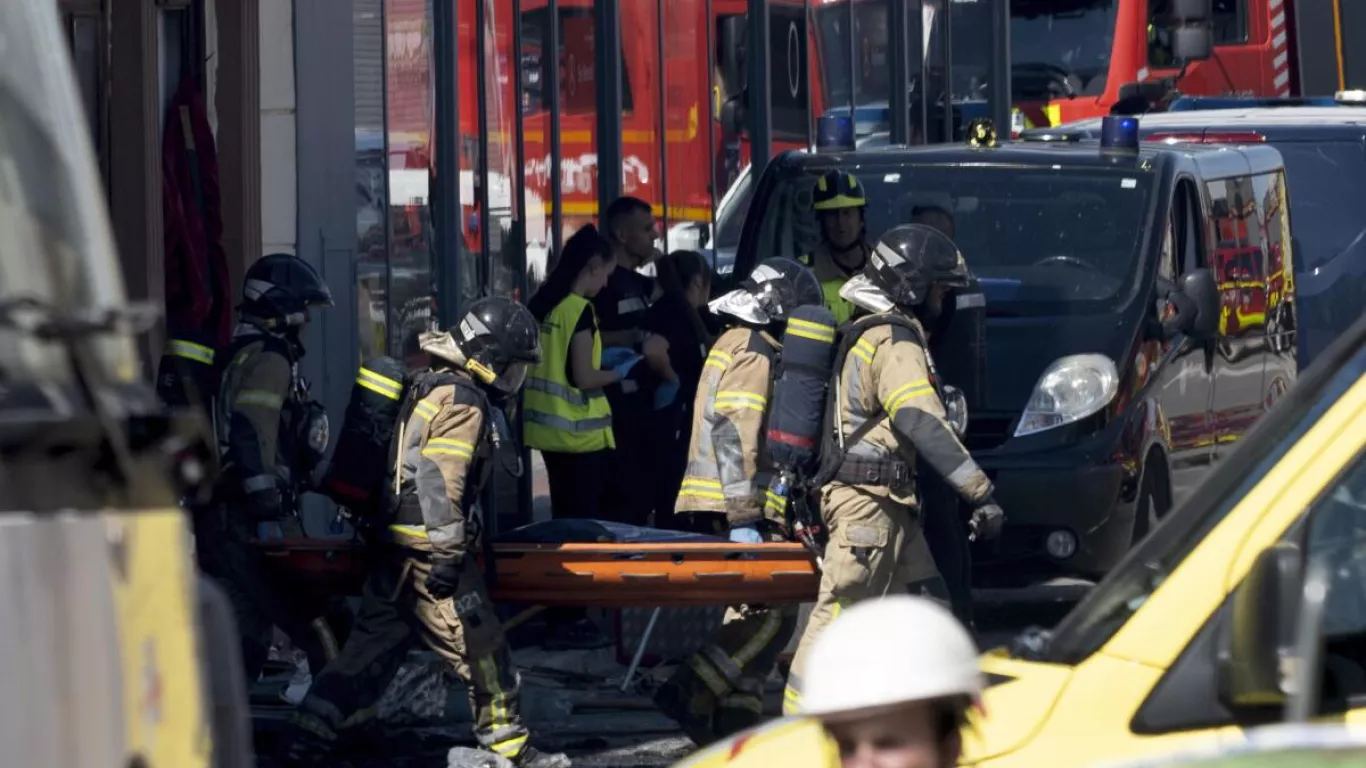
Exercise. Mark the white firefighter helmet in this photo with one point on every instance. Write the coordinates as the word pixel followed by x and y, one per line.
pixel 893 650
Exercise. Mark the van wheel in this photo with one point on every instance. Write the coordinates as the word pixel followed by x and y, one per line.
pixel 1154 501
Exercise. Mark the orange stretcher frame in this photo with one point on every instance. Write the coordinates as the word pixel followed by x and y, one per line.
pixel 603 575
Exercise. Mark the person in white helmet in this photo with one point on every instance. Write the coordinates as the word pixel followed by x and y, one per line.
pixel 892 681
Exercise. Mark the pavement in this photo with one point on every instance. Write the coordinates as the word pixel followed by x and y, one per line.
pixel 573 700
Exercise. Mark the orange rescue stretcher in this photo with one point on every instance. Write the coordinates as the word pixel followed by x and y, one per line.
pixel 591 574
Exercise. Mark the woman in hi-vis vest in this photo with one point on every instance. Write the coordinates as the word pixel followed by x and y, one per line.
pixel 565 414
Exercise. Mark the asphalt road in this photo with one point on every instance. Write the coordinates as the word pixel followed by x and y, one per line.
pixel 584 714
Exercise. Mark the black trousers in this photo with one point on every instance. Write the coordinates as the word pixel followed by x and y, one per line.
pixel 578 484
pixel 673 427
pixel 946 533
pixel 631 492
pixel 578 491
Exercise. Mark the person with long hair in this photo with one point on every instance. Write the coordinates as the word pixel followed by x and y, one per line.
pixel 566 415
pixel 685 278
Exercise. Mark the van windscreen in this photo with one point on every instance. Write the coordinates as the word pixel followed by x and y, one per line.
pixel 1044 240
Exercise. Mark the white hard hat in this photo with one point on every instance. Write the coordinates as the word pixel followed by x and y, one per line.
pixel 892 650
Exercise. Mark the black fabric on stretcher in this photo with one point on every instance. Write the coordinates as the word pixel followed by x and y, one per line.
pixel 599 532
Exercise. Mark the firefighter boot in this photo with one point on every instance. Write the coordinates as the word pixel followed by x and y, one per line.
pixel 534 758
pixel 738 711
pixel 686 700
pixel 311 742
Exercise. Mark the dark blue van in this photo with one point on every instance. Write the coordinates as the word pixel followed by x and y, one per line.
pixel 1092 411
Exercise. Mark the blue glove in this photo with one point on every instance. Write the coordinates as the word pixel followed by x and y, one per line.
pixel 665 394
pixel 622 369
pixel 746 534
pixel 614 356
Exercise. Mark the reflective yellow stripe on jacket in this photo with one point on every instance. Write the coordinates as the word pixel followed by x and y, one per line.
pixel 559 416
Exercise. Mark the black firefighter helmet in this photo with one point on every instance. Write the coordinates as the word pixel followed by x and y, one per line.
pixel 500 341
pixel 904 264
pixel 279 289
pixel 770 293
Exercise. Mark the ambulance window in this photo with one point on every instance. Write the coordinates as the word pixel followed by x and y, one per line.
pixel 1336 538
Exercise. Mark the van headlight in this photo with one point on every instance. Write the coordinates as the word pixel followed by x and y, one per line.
pixel 1072 388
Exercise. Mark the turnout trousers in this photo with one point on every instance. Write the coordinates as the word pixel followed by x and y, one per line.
pixel 397 610
pixel 260 600
pixel 876 548
pixel 719 690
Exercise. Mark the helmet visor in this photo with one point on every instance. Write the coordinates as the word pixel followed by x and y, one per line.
pixel 513 377
pixel 742 304
pixel 861 292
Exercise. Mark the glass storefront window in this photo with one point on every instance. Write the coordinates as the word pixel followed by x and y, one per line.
pixel 501 65
pixel 536 143
pixel 409 134
pixel 372 194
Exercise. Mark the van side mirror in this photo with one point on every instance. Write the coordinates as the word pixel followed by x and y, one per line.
pixel 733 114
pixel 1203 292
pixel 1191 30
pixel 1258 639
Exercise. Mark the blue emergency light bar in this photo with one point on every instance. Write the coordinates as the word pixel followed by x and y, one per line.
pixel 834 133
pixel 1119 133
pixel 868 118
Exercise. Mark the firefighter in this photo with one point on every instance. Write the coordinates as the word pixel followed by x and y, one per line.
pixel 187 376
pixel 719 690
pixel 270 437
pixel 840 206
pixel 892 682
pixel 887 411
pixel 424 582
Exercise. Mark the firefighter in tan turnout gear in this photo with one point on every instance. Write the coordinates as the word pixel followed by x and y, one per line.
pixel 424 581
pixel 271 436
pixel 719 690
pixel 888 409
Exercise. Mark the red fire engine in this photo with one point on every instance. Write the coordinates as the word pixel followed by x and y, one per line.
pixel 1070 59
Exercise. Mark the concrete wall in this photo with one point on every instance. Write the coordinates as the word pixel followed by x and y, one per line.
pixel 279 156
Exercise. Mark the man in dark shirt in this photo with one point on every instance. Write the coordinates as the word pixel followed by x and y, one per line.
pixel 623 310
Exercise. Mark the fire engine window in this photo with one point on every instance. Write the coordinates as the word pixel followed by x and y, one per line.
pixel 788 74
pixel 578 74
pixel 1229 22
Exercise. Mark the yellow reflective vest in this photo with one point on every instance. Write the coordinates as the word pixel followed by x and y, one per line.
pixel 557 415
pixel 832 279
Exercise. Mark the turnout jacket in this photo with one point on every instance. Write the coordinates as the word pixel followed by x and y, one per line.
pixel 441 463
pixel 728 466
pixel 890 410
